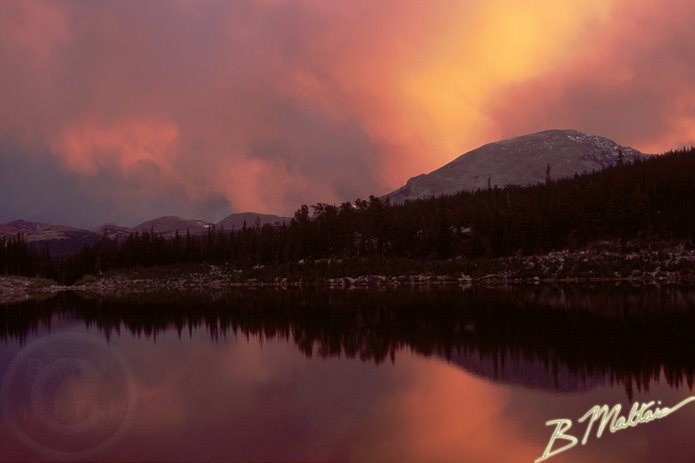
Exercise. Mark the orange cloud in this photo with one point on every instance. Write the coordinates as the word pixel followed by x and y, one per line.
pixel 274 103
pixel 84 147
pixel 630 79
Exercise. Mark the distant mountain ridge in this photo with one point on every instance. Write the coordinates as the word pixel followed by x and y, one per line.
pixel 168 225
pixel 113 231
pixel 62 239
pixel 519 161
pixel 237 220
pixel 59 239
pixel 25 226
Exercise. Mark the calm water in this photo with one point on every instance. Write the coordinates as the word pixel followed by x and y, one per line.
pixel 401 375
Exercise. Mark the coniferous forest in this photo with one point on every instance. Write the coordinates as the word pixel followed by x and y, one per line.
pixel 648 199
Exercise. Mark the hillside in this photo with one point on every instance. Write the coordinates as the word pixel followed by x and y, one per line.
pixel 58 239
pixel 113 231
pixel 519 161
pixel 250 219
pixel 168 226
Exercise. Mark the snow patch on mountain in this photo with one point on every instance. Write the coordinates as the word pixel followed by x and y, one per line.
pixel 519 161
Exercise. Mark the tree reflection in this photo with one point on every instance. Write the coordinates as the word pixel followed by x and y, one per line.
pixel 560 338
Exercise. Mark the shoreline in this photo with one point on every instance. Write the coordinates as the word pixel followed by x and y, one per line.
pixel 20 289
pixel 602 263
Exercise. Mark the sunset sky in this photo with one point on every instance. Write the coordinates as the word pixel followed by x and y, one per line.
pixel 126 110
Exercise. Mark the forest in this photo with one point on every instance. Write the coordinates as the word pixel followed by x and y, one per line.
pixel 647 199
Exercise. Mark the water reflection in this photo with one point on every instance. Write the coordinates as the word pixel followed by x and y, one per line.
pixel 395 375
pixel 553 338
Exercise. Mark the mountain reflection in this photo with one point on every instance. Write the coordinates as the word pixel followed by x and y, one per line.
pixel 555 338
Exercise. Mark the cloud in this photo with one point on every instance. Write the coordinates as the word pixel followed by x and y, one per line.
pixel 269 104
pixel 37 186
pixel 631 79
pixel 217 99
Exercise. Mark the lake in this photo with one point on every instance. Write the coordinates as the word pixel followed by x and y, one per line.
pixel 317 375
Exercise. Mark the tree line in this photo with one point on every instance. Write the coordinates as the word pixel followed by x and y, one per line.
pixel 645 199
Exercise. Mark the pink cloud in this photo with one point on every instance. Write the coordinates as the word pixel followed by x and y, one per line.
pixel 269 104
pixel 631 79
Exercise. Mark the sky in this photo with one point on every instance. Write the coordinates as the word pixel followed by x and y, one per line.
pixel 121 111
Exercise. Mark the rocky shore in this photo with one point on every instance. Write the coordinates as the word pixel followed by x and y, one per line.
pixel 17 289
pixel 603 262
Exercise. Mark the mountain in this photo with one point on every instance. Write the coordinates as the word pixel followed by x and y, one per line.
pixel 59 239
pixel 168 225
pixel 63 240
pixel 24 226
pixel 7 230
pixel 524 371
pixel 519 161
pixel 251 219
pixel 113 231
